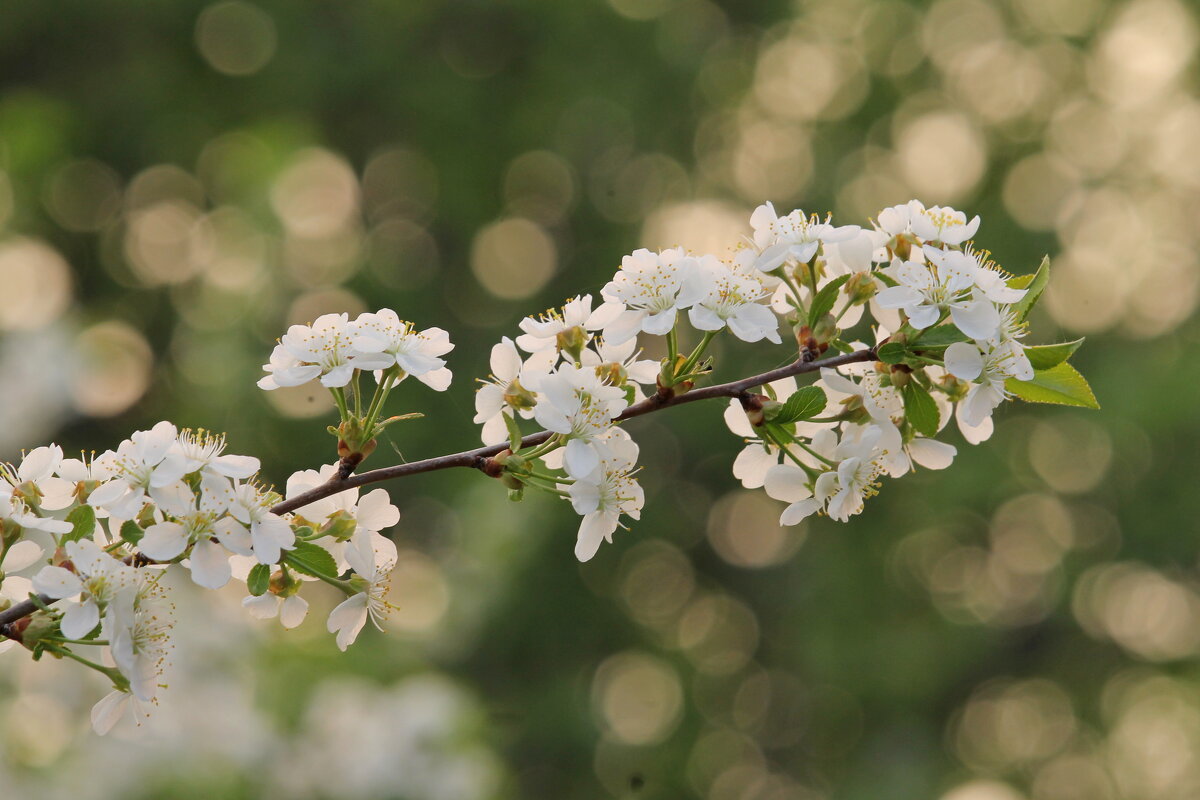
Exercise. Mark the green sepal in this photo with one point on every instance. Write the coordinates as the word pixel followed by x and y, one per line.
pixel 131 532
pixel 83 518
pixel 311 559
pixel 1035 284
pixel 823 301
pixel 514 431
pixel 1061 385
pixel 1045 356
pixel 804 403
pixel 259 580
pixel 920 409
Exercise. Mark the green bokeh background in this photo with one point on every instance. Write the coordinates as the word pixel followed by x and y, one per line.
pixel 179 181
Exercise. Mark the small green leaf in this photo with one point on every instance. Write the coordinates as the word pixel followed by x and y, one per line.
pixel 803 404
pixel 823 302
pixel 83 519
pixel 941 336
pixel 1035 284
pixel 1046 356
pixel 920 409
pixel 1061 384
pixel 892 352
pixel 259 579
pixel 514 431
pixel 131 532
pixel 311 559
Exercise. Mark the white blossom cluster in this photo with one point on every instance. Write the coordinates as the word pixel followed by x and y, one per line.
pixel 95 536
pixel 333 347
pixel 575 369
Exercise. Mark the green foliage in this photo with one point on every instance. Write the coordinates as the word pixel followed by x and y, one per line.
pixel 312 560
pixel 1061 385
pixel 804 404
pixel 823 302
pixel 131 531
pixel 83 518
pixel 940 336
pixel 259 579
pixel 920 409
pixel 1046 356
pixel 1036 284
pixel 892 352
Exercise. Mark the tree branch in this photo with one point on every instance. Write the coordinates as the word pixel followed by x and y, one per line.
pixel 476 458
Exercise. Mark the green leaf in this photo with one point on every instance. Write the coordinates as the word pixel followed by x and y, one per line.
pixel 259 579
pixel 823 302
pixel 514 431
pixel 1046 356
pixel 892 352
pixel 1035 284
pixel 1061 384
pixel 311 559
pixel 83 519
pixel 803 404
pixel 941 336
pixel 920 409
pixel 131 532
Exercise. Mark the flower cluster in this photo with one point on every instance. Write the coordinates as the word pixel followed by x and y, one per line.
pixel 947 324
pixel 104 530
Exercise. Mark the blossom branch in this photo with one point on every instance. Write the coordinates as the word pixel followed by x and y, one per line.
pixel 476 458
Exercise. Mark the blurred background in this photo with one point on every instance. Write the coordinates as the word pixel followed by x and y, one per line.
pixel 181 180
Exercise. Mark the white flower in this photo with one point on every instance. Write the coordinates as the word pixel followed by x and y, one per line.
pixel 145 464
pixel 578 405
pixel 936 224
pixel 621 359
pixel 605 493
pixel 542 333
pixel 197 528
pixel 269 533
pixel 322 350
pixel 96 579
pixel 202 450
pixel 374 512
pixel 987 369
pixel 733 298
pixel 840 491
pixel 372 557
pixel 792 238
pixel 507 392
pixel 926 290
pixel 137 627
pixel 647 293
pixel 109 709
pixel 383 339
pixel 291 610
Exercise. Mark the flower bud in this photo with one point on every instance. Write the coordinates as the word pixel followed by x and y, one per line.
pixel 860 288
pixel 900 375
pixel 512 481
pixel 902 245
pixel 39 626
pixel 283 584
pixel 755 407
pixel 518 397
pixel 825 331
pixel 341 526
pixel 572 341
pixel 955 389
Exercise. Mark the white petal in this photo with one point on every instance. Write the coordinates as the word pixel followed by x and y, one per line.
pixel 164 541
pixel 293 611
pixel 57 582
pixel 931 454
pixel 210 564
pixel 964 361
pixel 80 619
pixel 787 482
pixel 108 710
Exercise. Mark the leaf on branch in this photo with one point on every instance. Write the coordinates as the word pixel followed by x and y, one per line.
pixel 1061 384
pixel 1045 356
pixel 131 532
pixel 892 352
pixel 804 404
pixel 1035 283
pixel 312 560
pixel 941 336
pixel 920 409
pixel 259 579
pixel 83 519
pixel 823 302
